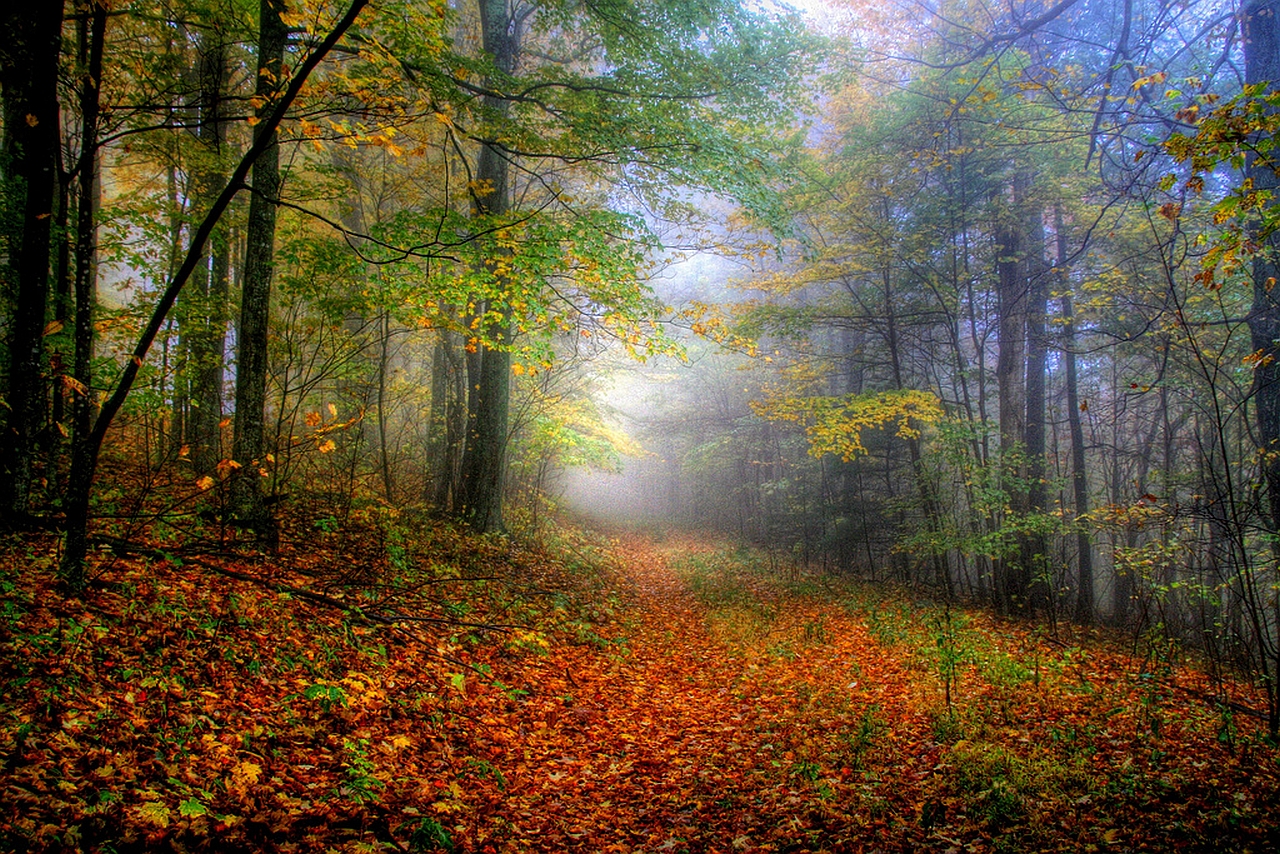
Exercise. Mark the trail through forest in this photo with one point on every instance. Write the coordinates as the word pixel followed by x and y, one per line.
pixel 681 741
pixel 466 694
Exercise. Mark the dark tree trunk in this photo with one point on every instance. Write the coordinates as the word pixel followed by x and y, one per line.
pixel 1011 575
pixel 248 442
pixel 1084 611
pixel 29 54
pixel 489 374
pixel 448 420
pixel 1261 27
pixel 86 241
pixel 206 330
pixel 1035 544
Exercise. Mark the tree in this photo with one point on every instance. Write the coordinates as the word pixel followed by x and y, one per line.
pixel 613 92
pixel 248 440
pixel 80 484
pixel 29 65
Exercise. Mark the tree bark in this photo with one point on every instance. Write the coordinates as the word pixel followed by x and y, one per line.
pixel 86 238
pixel 1035 544
pixel 489 372
pixel 1084 610
pixel 1261 28
pixel 29 54
pixel 448 419
pixel 248 438
pixel 206 329
pixel 1011 575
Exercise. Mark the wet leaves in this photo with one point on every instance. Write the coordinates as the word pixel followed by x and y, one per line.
pixel 651 698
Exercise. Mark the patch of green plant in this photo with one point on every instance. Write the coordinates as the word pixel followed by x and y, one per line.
pixel 804 770
pixel 815 632
pixel 430 835
pixel 327 695
pixel 722 581
pixel 870 727
pixel 890 623
pixel 782 651
pixel 1004 787
pixel 486 770
pixel 993 778
pixel 361 786
pixel 1003 670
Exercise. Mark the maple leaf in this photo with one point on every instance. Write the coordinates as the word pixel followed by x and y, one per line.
pixel 154 812
pixel 243 776
pixel 191 808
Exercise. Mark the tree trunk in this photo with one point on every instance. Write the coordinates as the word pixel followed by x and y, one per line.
pixel 1035 545
pixel 248 439
pixel 86 241
pixel 1012 577
pixel 489 373
pixel 206 330
pixel 448 420
pixel 1261 27
pixel 928 500
pixel 29 85
pixel 1084 610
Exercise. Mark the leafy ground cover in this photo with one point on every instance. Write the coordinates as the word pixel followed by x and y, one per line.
pixel 401 686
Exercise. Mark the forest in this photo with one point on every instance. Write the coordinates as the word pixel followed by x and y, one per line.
pixel 639 425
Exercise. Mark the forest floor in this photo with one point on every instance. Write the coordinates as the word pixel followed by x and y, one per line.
pixel 412 688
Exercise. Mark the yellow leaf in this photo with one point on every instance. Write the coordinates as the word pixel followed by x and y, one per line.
pixel 244 775
pixel 205 482
pixel 226 467
pixel 327 445
pixel 154 812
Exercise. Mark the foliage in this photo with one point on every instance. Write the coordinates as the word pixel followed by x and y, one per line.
pixel 835 424
pixel 1233 133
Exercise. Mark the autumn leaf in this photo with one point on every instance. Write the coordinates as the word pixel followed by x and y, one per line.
pixel 154 812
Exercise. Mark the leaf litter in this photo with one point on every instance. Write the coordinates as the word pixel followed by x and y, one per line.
pixel 465 694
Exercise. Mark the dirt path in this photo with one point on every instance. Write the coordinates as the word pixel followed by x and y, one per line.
pixel 679 742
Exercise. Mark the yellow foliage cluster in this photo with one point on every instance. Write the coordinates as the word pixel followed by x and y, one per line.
pixel 834 425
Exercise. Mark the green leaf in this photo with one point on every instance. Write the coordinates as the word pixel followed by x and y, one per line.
pixel 191 807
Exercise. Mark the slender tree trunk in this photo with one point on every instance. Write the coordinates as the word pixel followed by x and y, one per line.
pixel 448 419
pixel 384 442
pixel 86 239
pixel 248 437
pixel 206 330
pixel 29 85
pixel 928 500
pixel 1084 610
pixel 489 373
pixel 1035 544
pixel 1012 577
